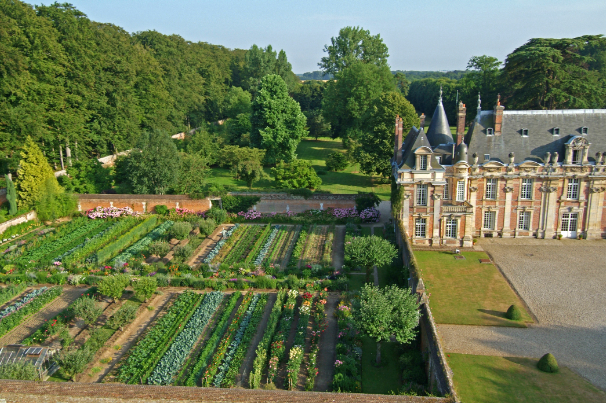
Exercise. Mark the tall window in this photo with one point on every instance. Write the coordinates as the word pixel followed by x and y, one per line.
pixel 451 228
pixel 446 191
pixel 490 219
pixel 526 189
pixel 420 227
pixel 461 191
pixel 576 156
pixel 524 221
pixel 421 195
pixel 491 188
pixel 573 189
pixel 423 162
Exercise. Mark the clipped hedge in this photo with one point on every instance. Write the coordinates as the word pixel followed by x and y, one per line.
pixel 125 240
pixel 548 363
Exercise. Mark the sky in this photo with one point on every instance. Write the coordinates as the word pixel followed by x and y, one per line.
pixel 420 35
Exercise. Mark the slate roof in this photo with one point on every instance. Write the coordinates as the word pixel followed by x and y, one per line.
pixel 416 138
pixel 540 139
pixel 439 129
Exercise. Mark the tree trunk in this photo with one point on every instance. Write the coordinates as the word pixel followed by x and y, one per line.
pixel 378 353
pixel 368 275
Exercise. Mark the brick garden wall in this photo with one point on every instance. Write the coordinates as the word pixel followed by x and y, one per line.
pixel 141 203
pixel 282 202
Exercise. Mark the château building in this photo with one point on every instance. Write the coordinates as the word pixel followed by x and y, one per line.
pixel 537 173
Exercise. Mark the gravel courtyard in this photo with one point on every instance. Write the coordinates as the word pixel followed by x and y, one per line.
pixel 564 285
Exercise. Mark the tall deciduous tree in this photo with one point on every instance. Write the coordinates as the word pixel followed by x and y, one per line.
pixel 192 174
pixel 369 251
pixel 260 62
pixel 374 146
pixel 33 174
pixel 386 312
pixel 296 175
pixel 277 121
pixel 354 44
pixel 348 98
pixel 555 74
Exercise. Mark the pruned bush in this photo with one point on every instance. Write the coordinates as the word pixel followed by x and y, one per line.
pixel 126 314
pixel 235 204
pixel 161 209
pixel 183 252
pixel 145 287
pixel 87 309
pixel 22 371
pixel 158 248
pixel 548 363
pixel 217 215
pixel 336 161
pixel 180 230
pixel 207 226
pixel 514 313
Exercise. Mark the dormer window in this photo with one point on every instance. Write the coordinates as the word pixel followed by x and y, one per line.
pixel 576 156
pixel 524 132
pixel 556 131
pixel 490 131
pixel 583 130
pixel 423 162
pixel 486 157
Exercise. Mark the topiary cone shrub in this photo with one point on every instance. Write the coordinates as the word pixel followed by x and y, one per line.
pixel 513 313
pixel 548 363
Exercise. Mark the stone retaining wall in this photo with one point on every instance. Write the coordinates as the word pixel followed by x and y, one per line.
pixel 438 370
pixel 141 203
pixel 43 392
pixel 17 220
pixel 283 202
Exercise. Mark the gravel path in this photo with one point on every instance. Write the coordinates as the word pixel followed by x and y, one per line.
pixel 327 344
pixel 385 210
pixel 30 325
pixel 338 250
pixel 207 245
pixel 564 285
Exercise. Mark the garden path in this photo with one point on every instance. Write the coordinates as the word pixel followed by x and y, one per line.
pixel 129 336
pixel 242 378
pixel 327 353
pixel 338 250
pixel 281 382
pixel 385 210
pixel 36 320
pixel 207 245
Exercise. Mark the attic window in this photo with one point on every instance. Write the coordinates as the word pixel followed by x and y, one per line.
pixel 490 131
pixel 486 157
pixel 583 130
pixel 525 132
pixel 556 131
pixel 423 162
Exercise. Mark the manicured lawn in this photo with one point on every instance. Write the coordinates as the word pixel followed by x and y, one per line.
pixel 480 379
pixel 467 292
pixel 349 181
pixel 385 378
pixel 356 282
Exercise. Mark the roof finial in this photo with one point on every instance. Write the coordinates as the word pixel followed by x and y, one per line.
pixel 479 101
pixel 440 100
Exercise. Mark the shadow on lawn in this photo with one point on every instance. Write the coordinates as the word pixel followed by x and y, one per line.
pixel 493 313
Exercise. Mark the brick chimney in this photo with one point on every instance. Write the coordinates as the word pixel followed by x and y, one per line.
pixel 400 138
pixel 498 116
pixel 397 144
pixel 461 123
pixel 422 120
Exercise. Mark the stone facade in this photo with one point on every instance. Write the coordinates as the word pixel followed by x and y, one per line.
pixel 449 198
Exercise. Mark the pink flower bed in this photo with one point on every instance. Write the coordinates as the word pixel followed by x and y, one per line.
pixel 110 212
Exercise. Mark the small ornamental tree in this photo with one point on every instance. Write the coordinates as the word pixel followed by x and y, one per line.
pixel 11 196
pixel 296 175
pixel 87 309
pixel 74 361
pixel 33 173
pixel 126 314
pixel 145 287
pixel 386 312
pixel 113 286
pixel 336 161
pixel 370 251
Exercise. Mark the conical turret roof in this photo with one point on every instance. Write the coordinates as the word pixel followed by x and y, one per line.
pixel 439 129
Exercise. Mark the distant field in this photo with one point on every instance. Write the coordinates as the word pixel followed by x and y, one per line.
pixel 349 181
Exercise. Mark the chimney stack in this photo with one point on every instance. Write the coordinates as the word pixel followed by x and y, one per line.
pixel 397 144
pixel 400 138
pixel 498 116
pixel 422 121
pixel 461 123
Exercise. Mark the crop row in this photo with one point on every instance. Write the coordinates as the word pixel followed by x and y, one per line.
pixel 100 231
pixel 11 291
pixel 260 361
pixel 151 346
pixel 243 245
pixel 319 326
pixel 28 306
pixel 89 246
pixel 254 251
pixel 215 251
pixel 177 353
pixel 213 367
pixel 265 249
pixel 315 245
pixel 202 359
pixel 299 246
pixel 278 244
pixel 141 244
pixel 240 353
pixel 327 252
pixel 133 235
pixel 295 355
pixel 232 236
pixel 234 356
pixel 278 344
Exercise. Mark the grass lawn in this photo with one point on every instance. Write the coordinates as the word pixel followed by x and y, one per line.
pixel 349 181
pixel 480 379
pixel 383 379
pixel 467 292
pixel 356 282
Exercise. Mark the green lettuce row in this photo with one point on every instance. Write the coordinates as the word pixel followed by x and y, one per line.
pixel 14 319
pixel 125 240
pixel 141 244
